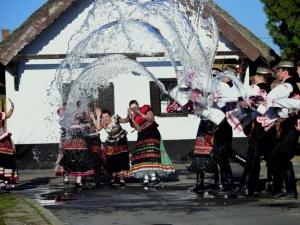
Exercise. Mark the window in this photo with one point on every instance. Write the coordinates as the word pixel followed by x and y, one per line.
pixel 105 98
pixel 160 101
pixel 165 99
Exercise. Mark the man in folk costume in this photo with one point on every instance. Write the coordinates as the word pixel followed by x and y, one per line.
pixel 260 141
pixel 280 163
pixel 222 148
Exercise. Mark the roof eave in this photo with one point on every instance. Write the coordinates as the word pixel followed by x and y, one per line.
pixel 18 39
pixel 251 46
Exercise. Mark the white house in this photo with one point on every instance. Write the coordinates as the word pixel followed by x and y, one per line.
pixel 32 54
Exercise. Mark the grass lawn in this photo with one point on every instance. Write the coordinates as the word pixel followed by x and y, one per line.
pixel 8 201
pixel 17 209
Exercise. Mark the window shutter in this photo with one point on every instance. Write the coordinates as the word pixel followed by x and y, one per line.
pixel 155 98
pixel 106 98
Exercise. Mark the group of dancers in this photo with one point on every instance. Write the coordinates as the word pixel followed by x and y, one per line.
pixel 82 154
pixel 270 120
pixel 268 117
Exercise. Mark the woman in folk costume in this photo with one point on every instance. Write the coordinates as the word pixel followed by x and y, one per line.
pixel 117 155
pixel 95 146
pixel 202 159
pixel 8 170
pixel 149 157
pixel 77 158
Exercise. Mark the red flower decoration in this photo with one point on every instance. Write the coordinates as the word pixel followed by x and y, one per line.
pixel 207 137
pixel 199 143
pixel 239 70
pixel 207 144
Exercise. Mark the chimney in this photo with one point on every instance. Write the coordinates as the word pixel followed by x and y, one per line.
pixel 5 33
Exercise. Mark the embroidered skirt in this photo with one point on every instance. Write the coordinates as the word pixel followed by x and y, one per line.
pixel 117 158
pixel 202 160
pixel 146 158
pixel 96 147
pixel 77 159
pixel 8 166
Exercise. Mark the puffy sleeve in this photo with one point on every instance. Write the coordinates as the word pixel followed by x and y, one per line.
pixel 282 91
pixel 144 109
pixel 288 103
pixel 253 90
pixel 2 115
pixel 116 118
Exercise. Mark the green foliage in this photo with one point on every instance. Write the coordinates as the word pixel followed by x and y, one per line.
pixel 284 25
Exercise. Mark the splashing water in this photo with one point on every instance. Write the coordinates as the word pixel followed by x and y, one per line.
pixel 146 28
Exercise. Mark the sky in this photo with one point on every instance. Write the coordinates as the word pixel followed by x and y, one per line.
pixel 249 13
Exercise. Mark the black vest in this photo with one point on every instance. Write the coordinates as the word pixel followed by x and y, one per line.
pixel 264 86
pixel 291 81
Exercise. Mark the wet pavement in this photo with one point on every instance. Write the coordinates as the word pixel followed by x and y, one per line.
pixel 165 204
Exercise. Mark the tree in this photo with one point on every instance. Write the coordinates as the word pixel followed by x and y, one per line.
pixel 284 25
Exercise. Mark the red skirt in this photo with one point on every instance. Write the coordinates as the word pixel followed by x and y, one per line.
pixel 8 166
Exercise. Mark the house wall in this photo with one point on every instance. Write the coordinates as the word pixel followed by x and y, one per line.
pixel 34 124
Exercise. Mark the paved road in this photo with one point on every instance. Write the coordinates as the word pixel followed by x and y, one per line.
pixel 171 203
pixel 165 206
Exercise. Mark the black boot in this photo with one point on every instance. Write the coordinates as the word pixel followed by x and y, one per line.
pixel 228 182
pixel 217 180
pixel 290 186
pixel 278 185
pixel 269 184
pixel 199 183
pixel 243 190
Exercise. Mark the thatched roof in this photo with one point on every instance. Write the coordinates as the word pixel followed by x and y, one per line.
pixel 246 41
